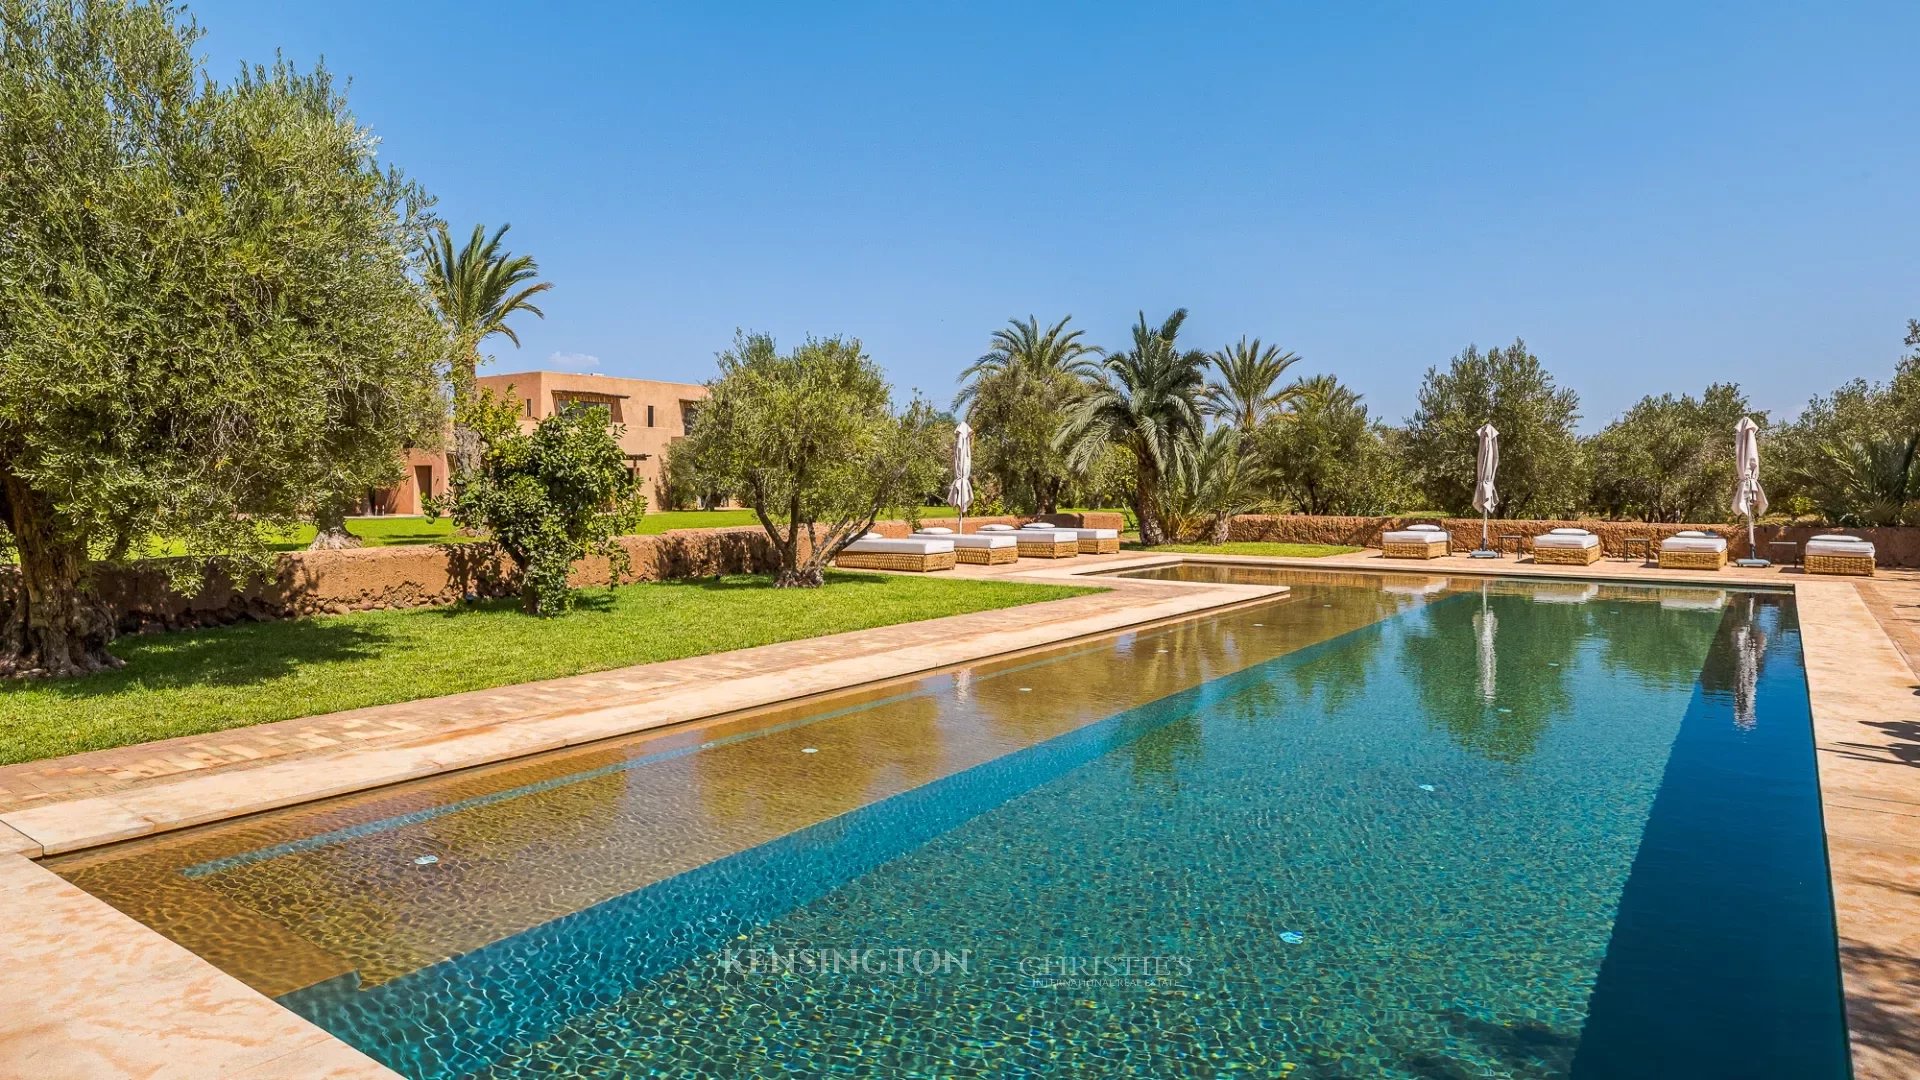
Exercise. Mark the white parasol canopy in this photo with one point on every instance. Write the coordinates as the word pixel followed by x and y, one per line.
pixel 1486 463
pixel 1749 497
pixel 960 492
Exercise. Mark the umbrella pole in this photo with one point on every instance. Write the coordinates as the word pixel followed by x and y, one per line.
pixel 1483 552
pixel 1753 558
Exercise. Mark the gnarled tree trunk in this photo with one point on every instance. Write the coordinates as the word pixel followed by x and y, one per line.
pixel 331 519
pixel 49 626
pixel 799 577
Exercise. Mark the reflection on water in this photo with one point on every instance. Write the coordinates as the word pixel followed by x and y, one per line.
pixel 1437 783
pixel 578 828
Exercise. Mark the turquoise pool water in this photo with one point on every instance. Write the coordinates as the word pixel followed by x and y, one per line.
pixel 1468 829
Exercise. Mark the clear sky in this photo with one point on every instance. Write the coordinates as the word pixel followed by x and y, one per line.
pixel 1654 195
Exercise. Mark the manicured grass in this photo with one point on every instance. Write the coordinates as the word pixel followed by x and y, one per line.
pixel 194 682
pixel 387 531
pixel 1291 551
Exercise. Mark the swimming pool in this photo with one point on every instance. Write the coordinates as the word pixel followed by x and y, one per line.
pixel 1390 825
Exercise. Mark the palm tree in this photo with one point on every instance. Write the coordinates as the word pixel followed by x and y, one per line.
pixel 1014 395
pixel 1023 350
pixel 1147 401
pixel 1324 389
pixel 1226 481
pixel 474 292
pixel 1247 388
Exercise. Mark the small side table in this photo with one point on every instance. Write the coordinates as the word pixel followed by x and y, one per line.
pixel 1643 543
pixel 1789 550
pixel 1500 543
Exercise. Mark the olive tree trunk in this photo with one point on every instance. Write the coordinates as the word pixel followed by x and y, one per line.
pixel 49 626
pixel 331 520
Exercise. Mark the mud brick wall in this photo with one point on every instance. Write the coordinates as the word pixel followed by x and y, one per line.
pixel 1893 546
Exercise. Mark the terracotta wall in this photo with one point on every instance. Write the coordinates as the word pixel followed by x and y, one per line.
pixel 331 582
pixel 1893 547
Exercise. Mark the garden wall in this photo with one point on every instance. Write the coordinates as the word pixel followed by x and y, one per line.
pixel 1893 546
pixel 362 579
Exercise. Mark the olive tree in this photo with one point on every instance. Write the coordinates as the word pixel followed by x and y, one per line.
pixel 549 497
pixel 810 441
pixel 1327 456
pixel 1670 458
pixel 208 318
pixel 1542 462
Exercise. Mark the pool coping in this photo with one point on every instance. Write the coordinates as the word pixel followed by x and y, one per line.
pixel 1861 689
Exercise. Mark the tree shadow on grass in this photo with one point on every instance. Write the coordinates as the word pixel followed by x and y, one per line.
pixel 224 656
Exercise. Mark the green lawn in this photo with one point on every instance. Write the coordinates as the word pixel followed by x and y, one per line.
pixel 1291 551
pixel 194 682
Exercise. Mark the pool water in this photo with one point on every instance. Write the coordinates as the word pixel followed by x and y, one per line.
pixel 1387 826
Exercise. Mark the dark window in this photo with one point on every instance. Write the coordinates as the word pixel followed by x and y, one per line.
pixel 607 404
pixel 649 416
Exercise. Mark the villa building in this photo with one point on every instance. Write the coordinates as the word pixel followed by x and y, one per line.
pixel 651 415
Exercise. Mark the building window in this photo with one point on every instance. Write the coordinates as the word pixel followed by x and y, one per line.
pixel 606 403
pixel 688 409
pixel 528 402
pixel 649 416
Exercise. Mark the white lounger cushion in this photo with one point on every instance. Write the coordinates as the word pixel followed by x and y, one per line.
pixel 1568 531
pixel 1575 538
pixel 975 540
pixel 1091 534
pixel 1423 528
pixel 933 530
pixel 1413 536
pixel 912 545
pixel 1058 536
pixel 1838 545
pixel 1693 542
pixel 997 528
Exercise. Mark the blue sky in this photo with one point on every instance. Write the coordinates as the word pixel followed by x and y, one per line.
pixel 1653 195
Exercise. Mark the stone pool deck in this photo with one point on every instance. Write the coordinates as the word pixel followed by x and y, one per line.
pixel 91 992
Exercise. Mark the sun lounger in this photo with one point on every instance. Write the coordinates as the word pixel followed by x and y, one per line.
pixel 1091 541
pixel 1414 542
pixel 1040 543
pixel 1692 549
pixel 1566 547
pixel 1837 554
pixel 985 549
pixel 916 553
